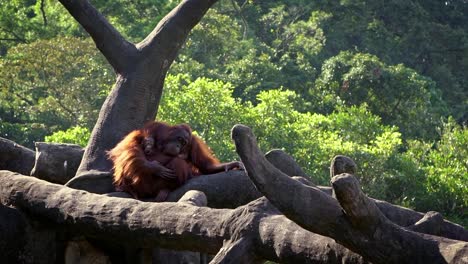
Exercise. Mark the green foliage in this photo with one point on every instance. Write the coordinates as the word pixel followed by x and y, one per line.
pixel 249 64
pixel 313 139
pixel 427 36
pixel 446 169
pixel 207 106
pixel 134 19
pixel 258 46
pixel 50 85
pixel 74 135
pixel 398 94
pixel 246 66
pixel 25 21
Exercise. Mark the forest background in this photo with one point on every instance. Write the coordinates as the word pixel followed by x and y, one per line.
pixel 383 82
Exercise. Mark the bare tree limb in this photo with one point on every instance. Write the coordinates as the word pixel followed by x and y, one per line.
pixel 355 221
pixel 430 223
pixel 214 184
pixel 44 17
pixel 284 162
pixel 15 157
pixel 342 164
pixel 174 26
pixel 17 37
pixel 160 47
pixel 270 180
pixel 119 52
pixel 56 162
pixel 179 226
pixel 228 183
pixel 393 244
pixel 195 198
pixel 235 251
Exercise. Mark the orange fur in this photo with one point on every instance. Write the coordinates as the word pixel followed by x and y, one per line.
pixel 134 173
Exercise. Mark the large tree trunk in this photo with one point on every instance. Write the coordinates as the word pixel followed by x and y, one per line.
pixel 141 69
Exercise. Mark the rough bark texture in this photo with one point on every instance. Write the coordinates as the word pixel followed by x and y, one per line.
pixel 226 183
pixel 281 239
pixel 342 164
pixel 141 70
pixel 15 157
pixel 26 240
pixel 195 198
pixel 430 223
pixel 229 183
pixel 179 226
pixel 353 220
pixel 212 185
pixel 284 162
pixel 56 162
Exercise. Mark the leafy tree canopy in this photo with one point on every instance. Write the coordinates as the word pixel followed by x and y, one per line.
pixel 51 85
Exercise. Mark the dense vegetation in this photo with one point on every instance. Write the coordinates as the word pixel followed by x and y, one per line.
pixel 383 82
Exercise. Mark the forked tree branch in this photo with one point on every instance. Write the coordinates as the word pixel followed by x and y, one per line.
pixel 174 26
pixel 118 51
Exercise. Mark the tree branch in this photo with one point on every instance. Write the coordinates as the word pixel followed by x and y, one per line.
pixel 355 221
pixel 295 197
pixel 56 162
pixel 175 26
pixel 15 157
pixel 44 17
pixel 119 52
pixel 17 37
pixel 179 226
pixel 212 185
pixel 237 251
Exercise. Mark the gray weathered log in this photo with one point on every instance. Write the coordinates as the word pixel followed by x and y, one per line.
pixel 161 255
pixel 226 183
pixel 177 226
pixel 342 164
pixel 354 220
pixel 430 223
pixel 25 240
pixel 231 182
pixel 15 157
pixel 284 162
pixel 212 185
pixel 56 162
pixel 80 250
